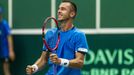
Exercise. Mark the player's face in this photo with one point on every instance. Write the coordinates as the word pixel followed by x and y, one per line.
pixel 64 11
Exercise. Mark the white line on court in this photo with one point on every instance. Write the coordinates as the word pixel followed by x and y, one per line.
pixel 10 13
pixel 86 31
pixel 53 11
pixel 98 7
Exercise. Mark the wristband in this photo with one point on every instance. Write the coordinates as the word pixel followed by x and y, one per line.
pixel 35 68
pixel 64 62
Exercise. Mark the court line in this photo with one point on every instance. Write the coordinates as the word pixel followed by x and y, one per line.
pixel 86 31
pixel 10 16
pixel 98 16
pixel 36 31
pixel 53 11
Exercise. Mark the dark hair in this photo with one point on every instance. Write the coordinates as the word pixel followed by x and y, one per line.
pixel 72 4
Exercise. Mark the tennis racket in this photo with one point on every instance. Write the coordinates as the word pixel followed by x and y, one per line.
pixel 53 39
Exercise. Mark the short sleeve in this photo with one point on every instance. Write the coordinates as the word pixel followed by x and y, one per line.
pixel 81 43
pixel 7 28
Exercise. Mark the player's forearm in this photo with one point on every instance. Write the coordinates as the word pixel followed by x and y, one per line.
pixel 76 63
pixel 41 61
pixel 10 42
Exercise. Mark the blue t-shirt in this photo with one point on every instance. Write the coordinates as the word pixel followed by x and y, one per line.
pixel 71 42
pixel 4 32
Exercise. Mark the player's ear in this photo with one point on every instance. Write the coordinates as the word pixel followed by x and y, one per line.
pixel 72 14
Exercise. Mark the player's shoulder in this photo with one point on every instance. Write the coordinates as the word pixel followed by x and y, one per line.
pixel 52 31
pixel 78 32
pixel 4 22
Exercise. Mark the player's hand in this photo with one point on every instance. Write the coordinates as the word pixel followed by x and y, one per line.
pixel 29 70
pixel 54 58
pixel 12 56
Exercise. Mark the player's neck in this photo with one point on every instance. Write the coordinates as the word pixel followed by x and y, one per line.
pixel 67 25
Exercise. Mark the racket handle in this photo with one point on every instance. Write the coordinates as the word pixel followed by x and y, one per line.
pixel 54 69
pixel 54 65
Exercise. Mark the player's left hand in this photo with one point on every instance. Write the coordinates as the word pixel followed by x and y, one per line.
pixel 54 58
pixel 12 56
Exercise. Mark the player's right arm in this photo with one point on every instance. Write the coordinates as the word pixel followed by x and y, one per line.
pixel 38 65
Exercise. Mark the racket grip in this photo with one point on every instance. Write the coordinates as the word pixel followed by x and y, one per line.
pixel 55 69
pixel 54 65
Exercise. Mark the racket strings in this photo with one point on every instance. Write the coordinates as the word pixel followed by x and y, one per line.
pixel 54 40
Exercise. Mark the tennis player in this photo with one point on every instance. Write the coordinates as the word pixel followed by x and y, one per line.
pixel 6 47
pixel 69 56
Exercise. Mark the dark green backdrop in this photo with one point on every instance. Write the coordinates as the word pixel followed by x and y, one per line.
pixel 114 14
pixel 31 13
